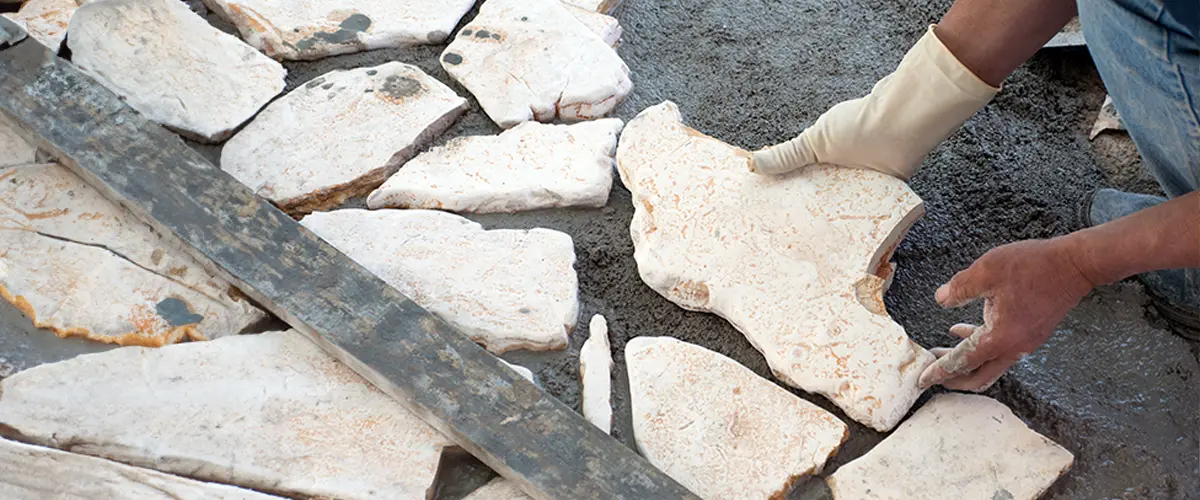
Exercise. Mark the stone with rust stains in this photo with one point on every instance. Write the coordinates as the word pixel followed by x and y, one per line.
pixel 319 28
pixel 46 20
pixel 797 263
pixel 80 265
pixel 530 166
pixel 505 288
pixel 719 429
pixel 340 135
pixel 604 26
pixel 534 60
pixel 14 149
pixel 30 472
pixel 271 412
pixel 170 65
pixel 956 446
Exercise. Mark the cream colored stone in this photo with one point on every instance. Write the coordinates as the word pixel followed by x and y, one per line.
pixel 498 489
pixel 956 446
pixel 595 373
pixel 605 26
pixel 80 265
pixel 14 149
pixel 717 428
pixel 507 289
pixel 272 412
pixel 534 60
pixel 601 6
pixel 312 29
pixel 340 135
pixel 170 65
pixel 1106 119
pixel 46 20
pixel 530 166
pixel 793 262
pixel 35 473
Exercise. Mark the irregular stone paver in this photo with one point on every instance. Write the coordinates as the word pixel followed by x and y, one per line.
pixel 46 20
pixel 533 60
pixel 33 473
pixel 319 28
pixel 498 489
pixel 14 149
pixel 1106 119
pixel 956 446
pixel 601 6
pixel 507 289
pixel 80 265
pixel 595 372
pixel 340 135
pixel 1070 35
pixel 530 166
pixel 719 429
pixel 790 261
pixel 271 412
pixel 604 26
pixel 170 65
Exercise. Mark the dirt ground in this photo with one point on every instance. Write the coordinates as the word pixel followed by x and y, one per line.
pixel 1113 385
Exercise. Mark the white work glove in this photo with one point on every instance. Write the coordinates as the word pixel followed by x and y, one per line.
pixel 906 115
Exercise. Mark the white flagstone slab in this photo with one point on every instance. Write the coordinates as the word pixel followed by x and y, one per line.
pixel 956 446
pixel 604 26
pixel 35 473
pixel 534 60
pixel 46 20
pixel 601 6
pixel 271 412
pixel 14 149
pixel 319 28
pixel 498 489
pixel 595 372
pixel 507 289
pixel 340 135
pixel 80 265
pixel 530 166
pixel 797 263
pixel 717 428
pixel 168 63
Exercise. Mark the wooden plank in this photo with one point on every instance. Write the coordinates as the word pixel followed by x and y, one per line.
pixel 511 425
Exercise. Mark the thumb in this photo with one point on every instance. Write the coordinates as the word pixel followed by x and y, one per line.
pixel 964 287
pixel 783 158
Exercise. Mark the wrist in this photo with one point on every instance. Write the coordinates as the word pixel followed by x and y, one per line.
pixel 1092 265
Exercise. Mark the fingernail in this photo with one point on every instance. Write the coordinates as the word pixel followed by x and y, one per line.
pixel 943 293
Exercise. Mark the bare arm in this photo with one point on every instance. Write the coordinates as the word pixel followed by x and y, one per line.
pixel 993 37
pixel 1165 236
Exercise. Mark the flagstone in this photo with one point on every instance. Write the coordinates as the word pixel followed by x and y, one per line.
pixel 530 166
pixel 505 288
pixel 498 489
pixel 172 66
pixel 14 149
pixel 595 372
pixel 46 20
pixel 601 6
pixel 797 263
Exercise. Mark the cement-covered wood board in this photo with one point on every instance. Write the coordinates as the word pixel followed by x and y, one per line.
pixel 271 412
pixel 534 60
pixel 340 135
pixel 172 66
pixel 595 374
pixel 79 265
pixel 506 288
pixel 718 428
pixel 956 446
pixel 797 263
pixel 319 28
pixel 527 435
pixel 530 166
pixel 36 473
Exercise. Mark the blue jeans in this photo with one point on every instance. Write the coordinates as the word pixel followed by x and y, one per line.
pixel 1150 65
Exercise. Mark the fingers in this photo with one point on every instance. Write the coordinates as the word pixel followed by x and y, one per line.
pixel 962 360
pixel 782 158
pixel 969 284
pixel 983 378
pixel 962 331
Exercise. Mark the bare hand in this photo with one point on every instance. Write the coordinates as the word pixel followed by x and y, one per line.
pixel 1028 287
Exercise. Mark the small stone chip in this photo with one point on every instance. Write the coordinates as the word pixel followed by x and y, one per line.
pixel 595 373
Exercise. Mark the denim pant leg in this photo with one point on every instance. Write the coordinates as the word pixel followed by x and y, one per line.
pixel 1151 68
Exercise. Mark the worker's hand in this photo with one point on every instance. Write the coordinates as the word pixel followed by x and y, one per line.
pixel 907 114
pixel 1027 287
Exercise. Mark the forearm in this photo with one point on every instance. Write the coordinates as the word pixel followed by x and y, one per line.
pixel 993 37
pixel 1165 236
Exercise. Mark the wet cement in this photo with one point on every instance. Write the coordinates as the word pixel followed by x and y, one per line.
pixel 1112 386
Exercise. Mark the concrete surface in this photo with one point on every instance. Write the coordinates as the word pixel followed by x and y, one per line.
pixel 1113 386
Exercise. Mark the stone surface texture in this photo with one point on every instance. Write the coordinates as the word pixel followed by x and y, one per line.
pixel 956 446
pixel 535 60
pixel 35 473
pixel 604 26
pixel 595 373
pixel 1106 119
pixel 312 29
pixel 797 263
pixel 498 489
pixel 601 6
pixel 507 289
pixel 719 429
pixel 170 65
pixel 14 149
pixel 340 135
pixel 79 265
pixel 530 166
pixel 271 412
pixel 46 20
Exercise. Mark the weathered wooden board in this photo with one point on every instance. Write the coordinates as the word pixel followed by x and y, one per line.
pixel 447 380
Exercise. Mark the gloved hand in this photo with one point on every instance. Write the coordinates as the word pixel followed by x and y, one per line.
pixel 907 114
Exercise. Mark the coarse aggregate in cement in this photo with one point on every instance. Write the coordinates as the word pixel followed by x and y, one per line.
pixel 1113 385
